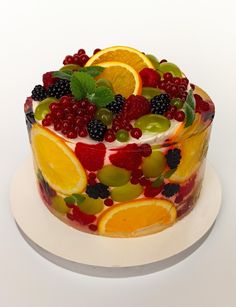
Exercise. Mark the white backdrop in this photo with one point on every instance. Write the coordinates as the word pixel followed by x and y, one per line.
pixel 197 35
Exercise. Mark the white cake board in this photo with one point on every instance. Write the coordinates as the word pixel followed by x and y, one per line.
pixel 103 256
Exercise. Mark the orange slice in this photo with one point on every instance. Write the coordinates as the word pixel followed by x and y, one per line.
pixel 137 218
pixel 127 55
pixel 124 79
pixel 192 150
pixel 57 162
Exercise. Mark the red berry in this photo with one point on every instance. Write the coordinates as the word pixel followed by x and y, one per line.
pixel 68 60
pixel 151 191
pixel 177 81
pixel 82 218
pixel 46 122
pixel 91 108
pixel 72 134
pixel 161 85
pixel 179 116
pixel 184 81
pixel 64 131
pixel 192 86
pixel 92 176
pixel 108 202
pixel 28 104
pixel 169 115
pixel 93 227
pixel 134 180
pixel 137 173
pixel 76 59
pixel 83 59
pixel 54 106
pixel 172 109
pixel 187 187
pixel 81 51
pixel 136 133
pixel 146 150
pixel 168 76
pixel 136 106
pixel 150 77
pixel 110 136
pixel 178 199
pixel 57 126
pixel 204 106
pixel 128 157
pixel 83 132
pixel 65 100
pixel 173 90
pixel 70 216
pixel 144 181
pixel 59 114
pixel 96 50
pixel 91 156
pixel 48 79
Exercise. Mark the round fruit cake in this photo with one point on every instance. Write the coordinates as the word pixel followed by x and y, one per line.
pixel 119 141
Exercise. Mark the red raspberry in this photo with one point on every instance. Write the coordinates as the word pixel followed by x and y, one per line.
pixel 128 157
pixel 82 218
pixel 136 106
pixel 28 104
pixel 48 79
pixel 91 156
pixel 151 191
pixel 150 77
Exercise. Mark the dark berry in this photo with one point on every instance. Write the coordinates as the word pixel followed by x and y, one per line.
pixel 59 89
pixel 39 93
pixel 160 104
pixel 98 190
pixel 170 189
pixel 117 104
pixel 146 150
pixel 108 202
pixel 68 60
pixel 96 129
pixel 173 157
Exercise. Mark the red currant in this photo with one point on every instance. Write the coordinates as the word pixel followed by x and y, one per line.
pixel 110 136
pixel 108 202
pixel 57 126
pixel 168 76
pixel 68 60
pixel 46 122
pixel 137 173
pixel 96 50
pixel 72 134
pixel 83 132
pixel 179 116
pixel 65 100
pixel 93 227
pixel 81 51
pixel 169 115
pixel 136 133
pixel 146 150
pixel 134 180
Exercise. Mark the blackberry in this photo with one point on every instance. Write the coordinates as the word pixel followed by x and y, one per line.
pixel 160 104
pixel 170 189
pixel 96 129
pixel 59 89
pixel 39 93
pixel 98 190
pixel 173 157
pixel 117 104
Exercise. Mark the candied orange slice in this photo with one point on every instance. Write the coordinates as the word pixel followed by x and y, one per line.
pixel 57 162
pixel 136 218
pixel 127 55
pixel 124 79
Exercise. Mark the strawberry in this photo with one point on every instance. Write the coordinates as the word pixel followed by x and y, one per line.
pixel 150 77
pixel 136 106
pixel 91 156
pixel 128 157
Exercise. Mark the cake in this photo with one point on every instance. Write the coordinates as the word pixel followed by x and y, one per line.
pixel 119 142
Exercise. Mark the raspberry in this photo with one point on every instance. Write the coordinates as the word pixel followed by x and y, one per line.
pixel 82 218
pixel 136 106
pixel 91 156
pixel 150 77
pixel 48 79
pixel 151 191
pixel 128 157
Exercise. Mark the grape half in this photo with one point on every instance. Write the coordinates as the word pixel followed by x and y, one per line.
pixel 126 192
pixel 152 123
pixel 154 165
pixel 113 176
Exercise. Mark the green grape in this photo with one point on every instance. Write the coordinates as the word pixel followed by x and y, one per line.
pixel 150 92
pixel 59 204
pixel 104 82
pixel 70 67
pixel 177 102
pixel 152 123
pixel 154 60
pixel 113 176
pixel 126 192
pixel 42 108
pixel 91 205
pixel 170 67
pixel 122 135
pixel 104 115
pixel 154 165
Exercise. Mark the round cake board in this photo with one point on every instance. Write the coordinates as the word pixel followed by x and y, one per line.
pixel 103 256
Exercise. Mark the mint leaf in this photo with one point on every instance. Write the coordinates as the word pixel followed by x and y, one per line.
pixel 79 198
pixel 189 108
pixel 82 84
pixel 102 96
pixel 63 74
pixel 70 200
pixel 93 71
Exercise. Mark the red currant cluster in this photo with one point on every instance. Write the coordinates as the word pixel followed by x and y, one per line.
pixel 175 87
pixel 80 58
pixel 174 113
pixel 70 117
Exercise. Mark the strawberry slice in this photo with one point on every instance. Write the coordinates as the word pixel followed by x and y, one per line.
pixel 91 156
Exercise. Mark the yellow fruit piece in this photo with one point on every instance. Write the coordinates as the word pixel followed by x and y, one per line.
pixel 123 54
pixel 192 150
pixel 57 162
pixel 137 218
pixel 124 79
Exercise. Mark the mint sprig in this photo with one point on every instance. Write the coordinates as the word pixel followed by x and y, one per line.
pixel 84 86
pixel 93 71
pixel 63 74
pixel 189 108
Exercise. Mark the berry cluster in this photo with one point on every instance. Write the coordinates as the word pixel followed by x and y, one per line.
pixel 70 117
pixel 175 87
pixel 80 58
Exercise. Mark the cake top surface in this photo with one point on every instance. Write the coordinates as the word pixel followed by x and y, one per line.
pixel 119 95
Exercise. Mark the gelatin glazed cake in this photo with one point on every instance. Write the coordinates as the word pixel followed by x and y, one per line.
pixel 119 142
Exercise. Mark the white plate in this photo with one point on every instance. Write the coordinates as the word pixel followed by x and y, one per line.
pixel 57 238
